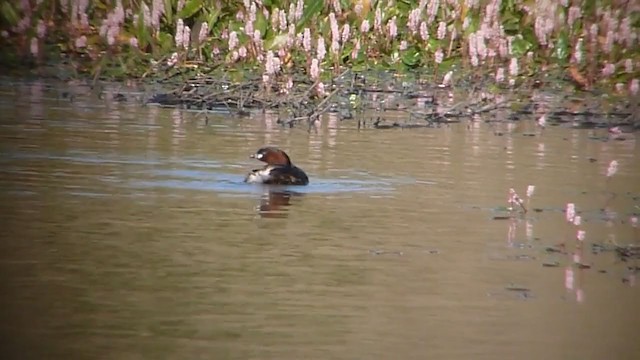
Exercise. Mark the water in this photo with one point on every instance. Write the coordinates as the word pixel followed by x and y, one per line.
pixel 128 233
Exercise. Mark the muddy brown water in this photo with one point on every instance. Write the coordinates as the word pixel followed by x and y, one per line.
pixel 128 234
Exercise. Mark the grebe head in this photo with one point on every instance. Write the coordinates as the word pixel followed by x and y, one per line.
pixel 272 156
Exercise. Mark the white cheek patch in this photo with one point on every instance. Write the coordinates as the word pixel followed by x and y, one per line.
pixel 259 156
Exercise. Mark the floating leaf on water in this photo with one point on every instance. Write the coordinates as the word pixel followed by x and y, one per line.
pixel 514 287
pixel 551 264
pixel 554 249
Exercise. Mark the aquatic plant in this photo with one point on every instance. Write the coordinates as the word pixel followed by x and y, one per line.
pixel 595 41
pixel 514 199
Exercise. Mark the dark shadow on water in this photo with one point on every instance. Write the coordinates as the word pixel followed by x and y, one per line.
pixel 275 202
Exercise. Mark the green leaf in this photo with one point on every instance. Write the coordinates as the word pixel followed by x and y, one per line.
pixel 411 57
pixel 168 11
pixel 261 23
pixel 9 14
pixel 312 8
pixel 562 46
pixel 277 42
pixel 190 8
pixel 165 41
pixel 520 46
pixel 212 17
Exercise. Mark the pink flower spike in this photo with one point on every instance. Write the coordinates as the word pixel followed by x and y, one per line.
pixel 634 221
pixel 581 234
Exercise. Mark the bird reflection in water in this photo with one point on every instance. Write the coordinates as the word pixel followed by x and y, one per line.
pixel 274 203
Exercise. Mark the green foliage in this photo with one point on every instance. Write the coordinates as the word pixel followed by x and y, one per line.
pixel 312 8
pixel 377 49
pixel 412 57
pixel 190 8
pixel 562 47
pixel 520 46
pixel 9 14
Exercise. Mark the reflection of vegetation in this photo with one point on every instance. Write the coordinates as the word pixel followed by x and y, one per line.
pixel 594 39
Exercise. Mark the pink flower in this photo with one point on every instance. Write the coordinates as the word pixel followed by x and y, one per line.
pixel 581 235
pixel 633 86
pixel 414 20
pixel 335 31
pixel 499 73
pixel 306 40
pixel 377 21
pixel 41 29
pixel 439 56
pixel 424 31
pixel 314 71
pixel 346 32
pixel 575 13
pixel 628 66
pixel 473 50
pixel 272 64
pixel 173 59
pixel 242 52
pixel 513 67
pixel 204 32
pixel 364 27
pixel 233 40
pixel 186 37
pixel 321 51
pixel 392 28
pixel 442 30
pixel 446 80
pixel 321 91
pixel 335 47
pixel 432 10
pixel 577 51
pixel 81 42
pixel 156 12
pixel 356 49
pixel 299 9
pixel 179 36
pixel 283 21
pixel 358 8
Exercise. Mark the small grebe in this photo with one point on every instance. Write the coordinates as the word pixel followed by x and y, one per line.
pixel 278 171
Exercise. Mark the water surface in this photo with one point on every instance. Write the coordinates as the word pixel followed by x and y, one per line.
pixel 129 234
